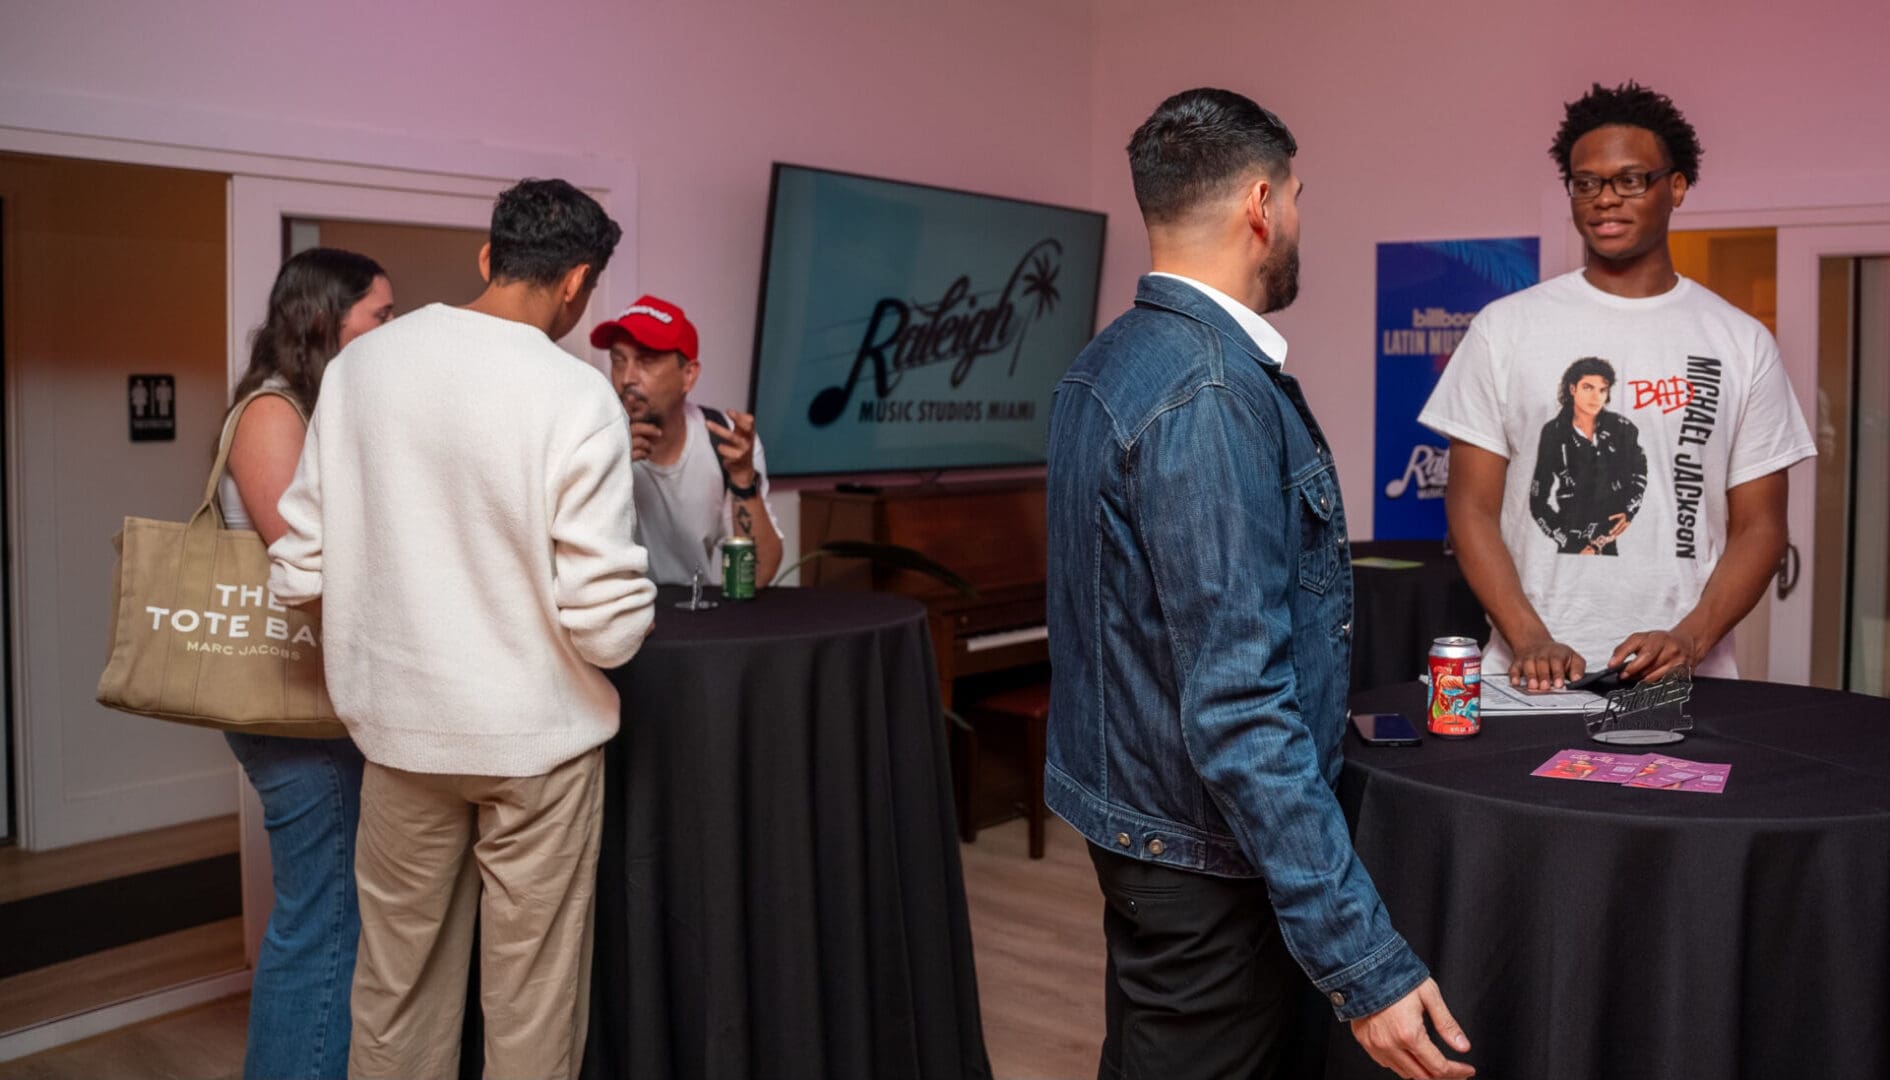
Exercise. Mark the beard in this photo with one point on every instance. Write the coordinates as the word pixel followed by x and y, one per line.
pixel 638 406
pixel 1280 275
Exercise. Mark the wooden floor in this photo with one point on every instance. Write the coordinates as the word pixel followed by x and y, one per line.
pixel 127 971
pixel 204 1043
pixel 113 975
pixel 24 874
pixel 1036 927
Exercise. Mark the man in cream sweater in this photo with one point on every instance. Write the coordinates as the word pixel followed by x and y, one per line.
pixel 460 509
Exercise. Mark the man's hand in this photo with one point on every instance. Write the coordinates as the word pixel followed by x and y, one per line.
pixel 1395 1036
pixel 1656 652
pixel 737 447
pixel 643 436
pixel 1545 665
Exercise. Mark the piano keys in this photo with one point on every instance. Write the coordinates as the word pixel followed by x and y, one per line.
pixel 990 532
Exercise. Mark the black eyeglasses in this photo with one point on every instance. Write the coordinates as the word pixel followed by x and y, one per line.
pixel 1628 185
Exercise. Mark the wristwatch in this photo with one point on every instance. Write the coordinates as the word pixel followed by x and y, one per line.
pixel 749 492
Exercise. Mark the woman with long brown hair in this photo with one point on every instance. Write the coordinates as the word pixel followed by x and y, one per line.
pixel 310 788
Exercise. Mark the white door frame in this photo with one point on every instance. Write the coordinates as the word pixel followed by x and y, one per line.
pixel 1799 250
pixel 1847 218
pixel 258 206
pixel 275 166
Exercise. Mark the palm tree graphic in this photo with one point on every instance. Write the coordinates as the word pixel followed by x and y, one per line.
pixel 1040 281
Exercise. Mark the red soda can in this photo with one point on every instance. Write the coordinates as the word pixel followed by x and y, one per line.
pixel 1456 687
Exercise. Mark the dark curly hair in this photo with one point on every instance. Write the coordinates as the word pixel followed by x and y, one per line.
pixel 542 229
pixel 1579 370
pixel 1633 105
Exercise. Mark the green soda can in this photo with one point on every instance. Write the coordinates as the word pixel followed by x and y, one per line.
pixel 738 568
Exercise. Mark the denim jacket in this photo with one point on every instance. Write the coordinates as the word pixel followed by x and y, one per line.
pixel 1200 613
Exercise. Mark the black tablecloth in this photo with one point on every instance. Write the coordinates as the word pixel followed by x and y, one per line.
pixel 1398 613
pixel 1583 930
pixel 779 891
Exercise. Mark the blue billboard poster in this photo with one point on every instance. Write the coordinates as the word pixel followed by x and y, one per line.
pixel 1428 291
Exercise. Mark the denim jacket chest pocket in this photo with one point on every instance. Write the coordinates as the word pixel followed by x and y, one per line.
pixel 1316 497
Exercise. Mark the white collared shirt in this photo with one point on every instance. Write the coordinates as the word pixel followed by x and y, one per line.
pixel 1272 345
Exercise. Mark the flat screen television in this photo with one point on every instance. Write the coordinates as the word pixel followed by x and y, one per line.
pixel 904 327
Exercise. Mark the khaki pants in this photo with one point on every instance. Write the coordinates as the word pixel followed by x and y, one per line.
pixel 426 847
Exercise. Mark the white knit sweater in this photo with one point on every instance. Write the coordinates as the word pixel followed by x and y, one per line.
pixel 463 508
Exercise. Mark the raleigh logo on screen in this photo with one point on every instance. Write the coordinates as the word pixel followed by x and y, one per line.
pixel 905 335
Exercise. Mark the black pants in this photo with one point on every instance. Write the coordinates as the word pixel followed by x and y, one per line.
pixel 1200 983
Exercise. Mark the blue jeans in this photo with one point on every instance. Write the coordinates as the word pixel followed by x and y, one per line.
pixel 298 1001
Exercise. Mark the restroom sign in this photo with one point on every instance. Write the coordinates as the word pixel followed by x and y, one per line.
pixel 152 400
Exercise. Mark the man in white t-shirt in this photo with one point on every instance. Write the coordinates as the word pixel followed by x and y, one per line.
pixel 701 476
pixel 1619 435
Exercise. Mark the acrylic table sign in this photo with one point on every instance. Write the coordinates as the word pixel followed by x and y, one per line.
pixel 1645 714
pixel 695 601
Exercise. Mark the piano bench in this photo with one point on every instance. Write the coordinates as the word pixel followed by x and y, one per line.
pixel 1028 705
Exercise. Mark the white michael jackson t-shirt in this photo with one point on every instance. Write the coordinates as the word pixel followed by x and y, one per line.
pixel 1616 522
pixel 684 512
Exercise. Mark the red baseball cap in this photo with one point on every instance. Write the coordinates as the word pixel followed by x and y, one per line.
pixel 651 323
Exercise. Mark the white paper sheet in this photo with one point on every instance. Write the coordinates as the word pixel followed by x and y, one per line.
pixel 1502 699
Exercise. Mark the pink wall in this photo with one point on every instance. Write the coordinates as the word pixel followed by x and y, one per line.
pixel 1417 120
pixel 1429 121
pixel 990 96
pixel 701 95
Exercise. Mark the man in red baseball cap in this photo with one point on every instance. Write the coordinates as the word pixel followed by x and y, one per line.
pixel 700 472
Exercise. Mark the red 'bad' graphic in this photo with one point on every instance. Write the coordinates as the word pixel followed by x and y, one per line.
pixel 1669 394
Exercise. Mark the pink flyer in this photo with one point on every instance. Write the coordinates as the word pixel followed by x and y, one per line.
pixel 1679 774
pixel 1592 765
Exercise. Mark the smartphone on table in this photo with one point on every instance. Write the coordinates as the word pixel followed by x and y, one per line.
pixel 1385 729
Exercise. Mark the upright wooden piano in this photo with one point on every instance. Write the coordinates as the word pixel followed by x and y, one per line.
pixel 990 532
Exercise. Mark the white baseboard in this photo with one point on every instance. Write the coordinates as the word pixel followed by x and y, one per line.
pixel 71 1029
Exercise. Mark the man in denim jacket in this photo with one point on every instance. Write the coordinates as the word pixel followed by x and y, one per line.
pixel 1200 622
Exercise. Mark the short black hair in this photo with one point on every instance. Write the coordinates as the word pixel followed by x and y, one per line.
pixel 1632 105
pixel 1579 370
pixel 541 229
pixel 1199 141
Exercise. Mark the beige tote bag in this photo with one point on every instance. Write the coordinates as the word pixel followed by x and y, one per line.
pixel 197 638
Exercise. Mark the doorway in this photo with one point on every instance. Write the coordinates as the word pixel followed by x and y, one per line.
pixel 428 241
pixel 331 173
pixel 1851 588
pixel 1741 266
pixel 7 814
pixel 427 263
pixel 1849 540
pixel 1810 623
pixel 122 879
